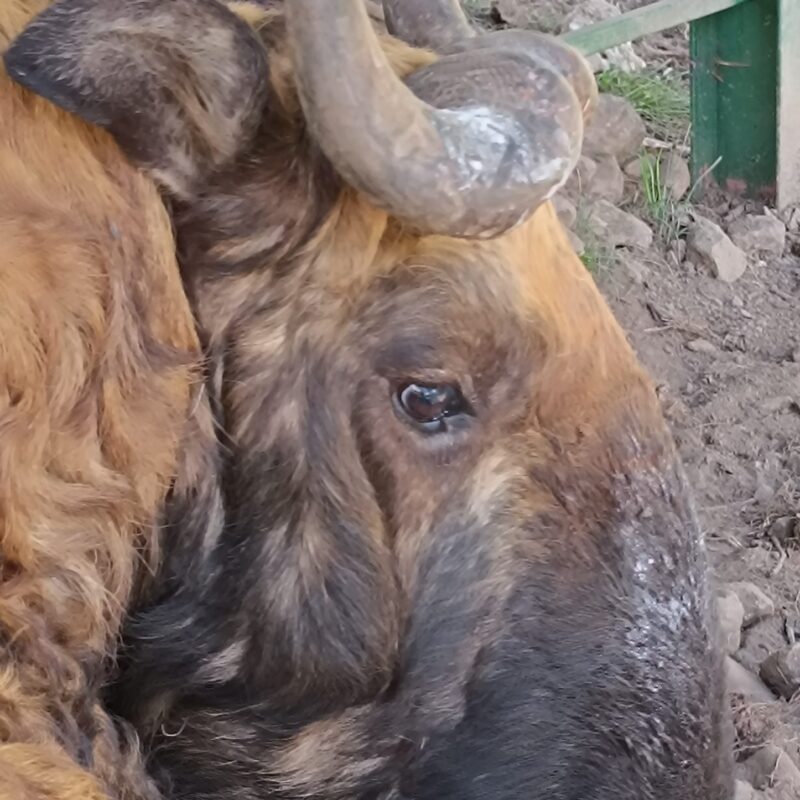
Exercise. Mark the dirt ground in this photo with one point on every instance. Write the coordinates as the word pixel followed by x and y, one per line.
pixel 735 413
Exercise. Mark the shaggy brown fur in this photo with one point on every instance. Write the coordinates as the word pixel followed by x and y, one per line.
pixel 358 609
pixel 98 368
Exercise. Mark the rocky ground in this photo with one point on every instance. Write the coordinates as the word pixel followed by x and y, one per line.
pixel 708 293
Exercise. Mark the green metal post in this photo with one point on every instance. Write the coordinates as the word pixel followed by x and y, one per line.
pixel 734 97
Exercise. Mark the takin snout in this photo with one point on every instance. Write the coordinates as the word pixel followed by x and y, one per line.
pixel 449 551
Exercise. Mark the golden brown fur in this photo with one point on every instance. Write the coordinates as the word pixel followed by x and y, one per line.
pixel 353 584
pixel 98 367
pixel 351 607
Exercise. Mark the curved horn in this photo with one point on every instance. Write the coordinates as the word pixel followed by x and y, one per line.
pixel 480 142
pixel 442 26
pixel 427 23
pixel 552 52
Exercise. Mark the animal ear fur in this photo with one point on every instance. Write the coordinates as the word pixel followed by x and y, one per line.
pixel 180 84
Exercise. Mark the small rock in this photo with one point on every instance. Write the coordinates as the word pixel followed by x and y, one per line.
pixel 633 169
pixel 581 177
pixel 783 529
pixel 615 129
pixel 772 405
pixel 545 17
pixel 772 767
pixel 588 12
pixel 756 604
pixel 781 671
pixel 737 302
pixel 701 346
pixel 791 216
pixel 708 244
pixel 565 210
pixel 741 681
pixel 731 615
pixel 617 228
pixel 759 234
pixel 796 355
pixel 636 270
pixel 576 243
pixel 675 176
pixel 608 182
pixel 743 791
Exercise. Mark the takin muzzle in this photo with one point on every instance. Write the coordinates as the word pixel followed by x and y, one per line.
pixel 441 545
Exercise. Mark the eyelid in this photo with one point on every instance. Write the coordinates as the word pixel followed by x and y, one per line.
pixel 434 376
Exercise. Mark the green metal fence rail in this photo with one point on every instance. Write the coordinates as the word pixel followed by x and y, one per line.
pixel 745 86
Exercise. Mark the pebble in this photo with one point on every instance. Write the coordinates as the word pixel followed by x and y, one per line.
pixel 781 671
pixel 565 210
pixel 743 791
pixel 581 177
pixel 756 604
pixel 617 228
pixel 731 616
pixel 708 244
pixel 739 680
pixel 761 233
pixel 772 768
pixel 615 129
pixel 608 182
pixel 675 176
pixel 784 529
pixel 701 346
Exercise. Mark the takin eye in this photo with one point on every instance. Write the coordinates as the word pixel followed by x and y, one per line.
pixel 433 408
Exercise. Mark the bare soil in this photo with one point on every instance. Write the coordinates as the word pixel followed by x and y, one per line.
pixel 735 413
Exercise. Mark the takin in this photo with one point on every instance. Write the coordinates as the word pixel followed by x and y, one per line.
pixel 100 391
pixel 447 548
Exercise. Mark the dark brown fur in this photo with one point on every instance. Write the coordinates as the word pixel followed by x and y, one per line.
pixel 353 609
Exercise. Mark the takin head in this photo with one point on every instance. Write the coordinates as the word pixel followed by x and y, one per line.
pixel 449 550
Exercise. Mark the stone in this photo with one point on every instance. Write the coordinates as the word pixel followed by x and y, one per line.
pixel 565 210
pixel 581 177
pixel 760 233
pixel 756 604
pixel 608 182
pixel 781 671
pixel 675 176
pixel 547 17
pixel 709 245
pixel 576 243
pixel 731 615
pixel 740 681
pixel 743 791
pixel 617 228
pixel 783 529
pixel 701 346
pixel 588 12
pixel 638 271
pixel 615 129
pixel 772 768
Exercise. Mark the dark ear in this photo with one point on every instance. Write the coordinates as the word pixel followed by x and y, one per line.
pixel 180 84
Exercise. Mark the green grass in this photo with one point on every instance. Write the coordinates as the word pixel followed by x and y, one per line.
pixel 662 101
pixel 667 215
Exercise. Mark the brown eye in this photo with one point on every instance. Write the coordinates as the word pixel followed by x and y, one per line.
pixel 431 407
